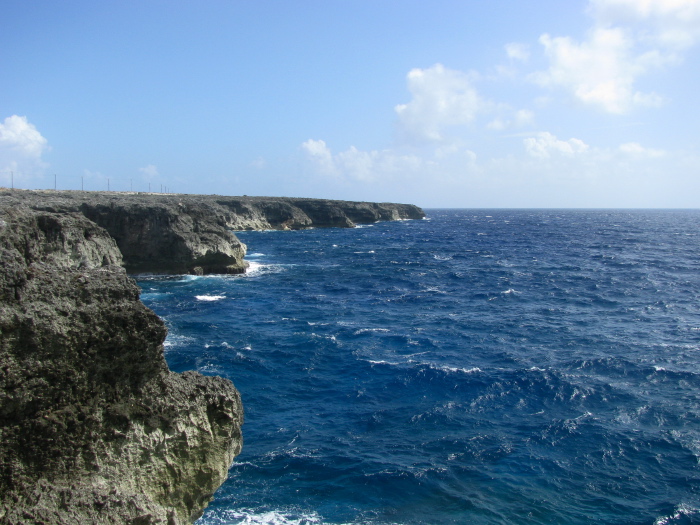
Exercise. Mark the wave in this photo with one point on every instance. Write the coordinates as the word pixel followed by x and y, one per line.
pixel 419 366
pixel 209 298
pixel 174 339
pixel 682 513
pixel 259 517
pixel 256 269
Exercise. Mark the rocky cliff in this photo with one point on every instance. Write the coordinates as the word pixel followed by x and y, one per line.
pixel 94 428
pixel 178 234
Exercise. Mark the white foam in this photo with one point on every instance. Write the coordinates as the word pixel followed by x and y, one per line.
pixel 369 330
pixel 255 255
pixel 256 269
pixel 682 510
pixel 209 297
pixel 381 362
pixel 255 517
pixel 174 340
pixel 453 369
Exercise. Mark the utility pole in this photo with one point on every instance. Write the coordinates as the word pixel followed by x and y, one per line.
pixel 82 184
pixel 12 178
pixel 54 181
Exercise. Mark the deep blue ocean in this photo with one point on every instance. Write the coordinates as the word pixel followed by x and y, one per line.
pixel 479 366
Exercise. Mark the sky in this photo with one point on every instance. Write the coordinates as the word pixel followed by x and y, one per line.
pixel 443 104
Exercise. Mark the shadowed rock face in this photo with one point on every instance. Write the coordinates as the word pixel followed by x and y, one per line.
pixel 94 428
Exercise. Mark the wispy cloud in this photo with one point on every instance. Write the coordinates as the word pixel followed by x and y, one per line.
pixel 149 172
pixel 357 165
pixel 543 145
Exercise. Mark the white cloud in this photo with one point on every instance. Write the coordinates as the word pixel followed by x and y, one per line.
pixel 362 166
pixel 521 118
pixel 321 156
pixel 628 39
pixel 21 148
pixel 149 172
pixel 545 145
pixel 441 98
pixel 672 24
pixel 637 150
pixel 517 51
pixel 547 172
pixel 600 71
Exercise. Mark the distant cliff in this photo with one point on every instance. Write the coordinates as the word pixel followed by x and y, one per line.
pixel 178 234
pixel 94 427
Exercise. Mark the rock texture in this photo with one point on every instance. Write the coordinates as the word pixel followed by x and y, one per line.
pixel 178 234
pixel 94 428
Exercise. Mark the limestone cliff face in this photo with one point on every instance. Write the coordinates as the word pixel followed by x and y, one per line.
pixel 94 428
pixel 277 213
pixel 194 233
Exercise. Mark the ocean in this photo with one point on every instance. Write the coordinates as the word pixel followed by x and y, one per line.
pixel 478 366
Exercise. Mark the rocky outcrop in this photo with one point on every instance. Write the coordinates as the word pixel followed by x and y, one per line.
pixel 94 428
pixel 178 234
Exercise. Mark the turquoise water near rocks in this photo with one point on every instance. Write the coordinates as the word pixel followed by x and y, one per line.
pixel 480 366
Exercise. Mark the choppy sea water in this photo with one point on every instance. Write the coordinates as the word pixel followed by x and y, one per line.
pixel 480 366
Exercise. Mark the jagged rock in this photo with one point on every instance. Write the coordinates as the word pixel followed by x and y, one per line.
pixel 94 428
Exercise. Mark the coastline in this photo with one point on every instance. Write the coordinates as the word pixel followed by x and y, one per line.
pixel 94 426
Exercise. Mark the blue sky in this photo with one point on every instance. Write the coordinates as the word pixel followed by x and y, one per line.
pixel 443 104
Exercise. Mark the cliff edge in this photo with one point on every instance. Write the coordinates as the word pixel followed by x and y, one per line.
pixel 94 428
